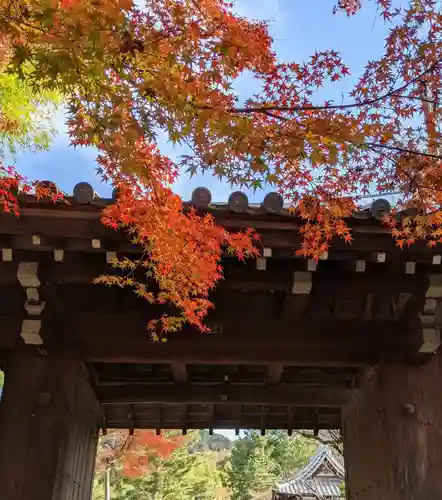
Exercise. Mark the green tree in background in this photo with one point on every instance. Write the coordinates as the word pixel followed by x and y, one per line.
pixel 27 115
pixel 288 454
pixel 182 476
pixel 27 110
pixel 247 469
pixel 258 461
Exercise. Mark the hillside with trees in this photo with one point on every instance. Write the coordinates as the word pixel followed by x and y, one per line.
pixel 202 466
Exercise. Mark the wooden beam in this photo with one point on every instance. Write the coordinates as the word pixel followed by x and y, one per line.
pixel 118 327
pixel 211 418
pixel 184 417
pixel 74 222
pixel 264 414
pixel 179 371
pixel 298 298
pixel 10 328
pixel 159 418
pixel 123 338
pixel 283 394
pixel 80 268
pixel 274 373
pixel 290 419
pixel 301 356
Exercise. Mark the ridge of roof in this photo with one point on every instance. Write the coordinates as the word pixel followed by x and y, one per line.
pixel 323 454
pixel 272 203
pixel 29 203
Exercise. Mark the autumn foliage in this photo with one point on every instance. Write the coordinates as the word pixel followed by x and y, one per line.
pixel 128 73
pixel 134 453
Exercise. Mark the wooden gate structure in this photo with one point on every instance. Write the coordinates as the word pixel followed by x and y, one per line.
pixel 347 342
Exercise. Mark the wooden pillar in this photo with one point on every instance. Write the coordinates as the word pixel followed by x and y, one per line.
pixel 49 422
pixel 393 434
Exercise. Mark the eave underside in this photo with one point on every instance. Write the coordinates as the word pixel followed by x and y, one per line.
pixel 289 342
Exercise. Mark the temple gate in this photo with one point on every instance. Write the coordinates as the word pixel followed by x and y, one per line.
pixel 345 342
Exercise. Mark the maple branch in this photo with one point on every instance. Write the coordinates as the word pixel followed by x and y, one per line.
pixel 399 149
pixel 369 102
pixel 114 158
pixel 19 21
pixel 272 115
pixel 419 98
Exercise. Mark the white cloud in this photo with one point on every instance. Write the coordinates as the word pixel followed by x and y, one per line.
pixel 262 10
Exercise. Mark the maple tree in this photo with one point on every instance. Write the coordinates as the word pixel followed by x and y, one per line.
pixel 183 474
pixel 135 451
pixel 128 72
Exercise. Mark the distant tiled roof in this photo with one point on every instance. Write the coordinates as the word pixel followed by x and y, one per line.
pixel 310 479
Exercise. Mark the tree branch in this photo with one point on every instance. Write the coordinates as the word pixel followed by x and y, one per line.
pixel 293 109
pixel 399 149
pixel 335 443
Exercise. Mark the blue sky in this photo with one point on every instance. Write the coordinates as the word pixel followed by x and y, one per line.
pixel 298 27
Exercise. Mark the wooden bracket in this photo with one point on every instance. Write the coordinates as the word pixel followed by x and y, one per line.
pixel 30 331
